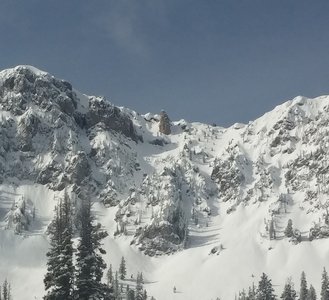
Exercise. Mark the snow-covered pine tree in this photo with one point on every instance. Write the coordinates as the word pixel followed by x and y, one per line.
pixel 139 287
pixel 6 290
pixel 265 289
pixel 289 232
pixel 109 275
pixel 116 290
pixel 242 295
pixel 303 287
pixel 130 294
pixel 122 269
pixel 60 269
pixel 289 292
pixel 311 294
pixel 252 292
pixel 144 295
pixel 90 264
pixel 324 285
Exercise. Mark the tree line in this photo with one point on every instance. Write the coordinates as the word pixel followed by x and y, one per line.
pixel 76 272
pixel 265 290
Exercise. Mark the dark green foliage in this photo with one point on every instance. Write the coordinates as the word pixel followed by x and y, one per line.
pixel 272 231
pixel 265 289
pixel 90 264
pixel 6 291
pixel 242 295
pixel 289 229
pixel 289 292
pixel 324 286
pixel 139 287
pixel 303 287
pixel 109 275
pixel 116 290
pixel 311 294
pixel 252 292
pixel 122 269
pixel 130 295
pixel 60 270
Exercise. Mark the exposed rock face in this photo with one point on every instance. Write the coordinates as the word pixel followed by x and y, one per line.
pixel 52 135
pixel 101 111
pixel 164 123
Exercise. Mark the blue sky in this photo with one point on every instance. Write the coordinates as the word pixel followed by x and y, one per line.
pixel 212 61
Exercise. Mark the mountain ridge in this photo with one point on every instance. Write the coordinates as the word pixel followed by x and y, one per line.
pixel 206 194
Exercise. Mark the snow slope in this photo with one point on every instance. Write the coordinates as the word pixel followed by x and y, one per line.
pixel 178 197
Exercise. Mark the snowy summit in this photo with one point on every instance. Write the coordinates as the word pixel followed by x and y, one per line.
pixel 201 210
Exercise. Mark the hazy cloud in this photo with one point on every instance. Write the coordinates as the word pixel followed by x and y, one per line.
pixel 127 22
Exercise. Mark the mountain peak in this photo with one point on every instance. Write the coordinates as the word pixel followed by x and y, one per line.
pixel 22 69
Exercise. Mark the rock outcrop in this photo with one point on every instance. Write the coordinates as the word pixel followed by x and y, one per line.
pixel 164 123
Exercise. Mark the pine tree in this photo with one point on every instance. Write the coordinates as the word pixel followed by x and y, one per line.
pixel 130 294
pixel 303 287
pixel 144 295
pixel 325 286
pixel 252 292
pixel 289 293
pixel 265 289
pixel 60 270
pixel 272 232
pixel 116 290
pixel 90 264
pixel 6 290
pixel 242 295
pixel 122 269
pixel 109 275
pixel 139 287
pixel 311 294
pixel 289 229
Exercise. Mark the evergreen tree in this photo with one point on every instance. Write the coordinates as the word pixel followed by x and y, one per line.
pixel 144 295
pixel 252 292
pixel 141 278
pixel 116 286
pixel 272 232
pixel 324 286
pixel 139 287
pixel 265 289
pixel 289 293
pixel 311 294
pixel 289 229
pixel 60 270
pixel 130 294
pixel 242 295
pixel 90 264
pixel 109 275
pixel 6 290
pixel 303 287
pixel 122 269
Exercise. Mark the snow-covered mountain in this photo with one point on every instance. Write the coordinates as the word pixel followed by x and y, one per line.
pixel 199 207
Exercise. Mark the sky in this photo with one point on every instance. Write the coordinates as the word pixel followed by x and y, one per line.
pixel 213 61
